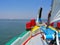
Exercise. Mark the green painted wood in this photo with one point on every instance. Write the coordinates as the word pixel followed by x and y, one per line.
pixel 23 34
pixel 13 39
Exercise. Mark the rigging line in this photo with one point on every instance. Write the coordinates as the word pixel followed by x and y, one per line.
pixel 55 20
pixel 57 15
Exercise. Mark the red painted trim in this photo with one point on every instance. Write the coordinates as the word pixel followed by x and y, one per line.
pixel 30 38
pixel 26 40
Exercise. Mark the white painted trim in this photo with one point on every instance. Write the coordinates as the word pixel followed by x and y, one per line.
pixel 20 38
pixel 16 41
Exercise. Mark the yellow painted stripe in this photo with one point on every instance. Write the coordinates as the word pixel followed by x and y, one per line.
pixel 53 28
pixel 35 28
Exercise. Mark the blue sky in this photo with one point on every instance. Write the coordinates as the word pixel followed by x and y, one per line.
pixel 23 9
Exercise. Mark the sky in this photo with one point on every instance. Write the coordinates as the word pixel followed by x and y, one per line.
pixel 23 9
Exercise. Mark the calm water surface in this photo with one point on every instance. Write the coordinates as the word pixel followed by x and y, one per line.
pixel 10 29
